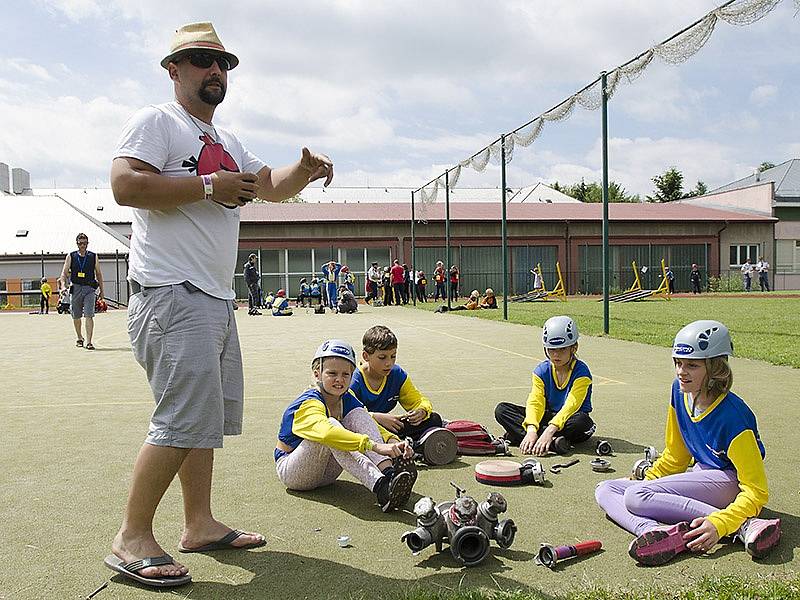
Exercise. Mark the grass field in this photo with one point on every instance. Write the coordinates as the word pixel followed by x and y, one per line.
pixel 72 421
pixel 763 327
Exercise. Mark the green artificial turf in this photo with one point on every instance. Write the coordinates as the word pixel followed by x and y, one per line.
pixel 763 327
pixel 72 421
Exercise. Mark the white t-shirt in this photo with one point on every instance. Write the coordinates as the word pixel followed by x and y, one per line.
pixel 195 242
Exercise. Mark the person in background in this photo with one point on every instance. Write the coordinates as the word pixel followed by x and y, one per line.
pixel 455 281
pixel 330 275
pixel 305 293
pixel 251 279
pixel 422 281
pixel 762 268
pixel 489 300
pixel 694 278
pixel 670 280
pixel 44 299
pixel 280 305
pixel 374 281
pixel 397 274
pixel 387 287
pixel 440 280
pixel 406 289
pixel 347 303
pixel 81 272
pixel 747 274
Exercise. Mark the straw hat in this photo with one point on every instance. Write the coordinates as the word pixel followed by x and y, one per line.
pixel 197 36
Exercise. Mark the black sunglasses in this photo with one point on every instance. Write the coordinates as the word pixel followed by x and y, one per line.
pixel 203 60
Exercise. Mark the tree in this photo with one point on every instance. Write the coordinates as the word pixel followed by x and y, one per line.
pixel 764 166
pixel 592 192
pixel 699 190
pixel 669 186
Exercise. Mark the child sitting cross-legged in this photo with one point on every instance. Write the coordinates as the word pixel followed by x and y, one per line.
pixel 380 384
pixel 327 430
pixel 675 509
pixel 560 400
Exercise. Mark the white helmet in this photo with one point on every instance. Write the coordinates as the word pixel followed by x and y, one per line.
pixel 337 349
pixel 702 339
pixel 559 332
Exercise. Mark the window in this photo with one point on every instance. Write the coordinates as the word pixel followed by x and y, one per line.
pixel 29 285
pixel 741 252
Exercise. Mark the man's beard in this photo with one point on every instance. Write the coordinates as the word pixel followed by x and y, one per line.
pixel 209 96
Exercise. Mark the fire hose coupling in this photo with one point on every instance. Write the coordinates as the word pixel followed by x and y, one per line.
pixel 603 448
pixel 532 471
pixel 549 556
pixel 641 466
pixel 463 523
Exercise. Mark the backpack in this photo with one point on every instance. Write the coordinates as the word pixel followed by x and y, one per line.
pixel 474 440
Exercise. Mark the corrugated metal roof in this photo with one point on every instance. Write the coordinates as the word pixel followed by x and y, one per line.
pixel 483 211
pixel 51 225
pixel 96 202
pixel 321 195
pixel 785 176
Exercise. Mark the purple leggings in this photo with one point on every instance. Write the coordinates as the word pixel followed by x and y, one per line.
pixel 638 506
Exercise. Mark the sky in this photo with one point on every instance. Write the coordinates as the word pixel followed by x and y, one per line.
pixel 396 92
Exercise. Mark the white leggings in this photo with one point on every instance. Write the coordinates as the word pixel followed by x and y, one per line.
pixel 312 465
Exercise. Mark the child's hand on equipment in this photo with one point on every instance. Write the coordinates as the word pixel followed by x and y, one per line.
pixel 388 422
pixel 528 442
pixel 392 450
pixel 703 535
pixel 415 417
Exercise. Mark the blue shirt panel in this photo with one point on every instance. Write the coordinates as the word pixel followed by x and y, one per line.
pixel 555 397
pixel 387 398
pixel 285 433
pixel 709 438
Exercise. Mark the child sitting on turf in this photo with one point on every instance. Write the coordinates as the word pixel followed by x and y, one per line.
pixel 489 300
pixel 305 293
pixel 380 384
pixel 327 430
pixel 472 303
pixel 560 400
pixel 347 303
pixel 315 293
pixel 280 305
pixel 675 510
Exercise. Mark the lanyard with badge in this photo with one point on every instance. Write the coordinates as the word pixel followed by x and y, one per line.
pixel 81 265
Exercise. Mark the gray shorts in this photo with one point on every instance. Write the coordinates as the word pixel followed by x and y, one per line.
pixel 82 301
pixel 187 342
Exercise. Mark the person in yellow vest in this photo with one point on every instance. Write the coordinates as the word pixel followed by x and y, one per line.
pixel 44 300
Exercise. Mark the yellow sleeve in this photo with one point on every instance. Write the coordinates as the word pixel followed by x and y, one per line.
pixel 575 398
pixel 411 398
pixel 534 407
pixel 676 456
pixel 311 423
pixel 385 433
pixel 746 457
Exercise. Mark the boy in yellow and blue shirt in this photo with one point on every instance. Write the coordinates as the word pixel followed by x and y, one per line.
pixel 381 384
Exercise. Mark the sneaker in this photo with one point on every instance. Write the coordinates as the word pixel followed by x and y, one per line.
pixel 393 492
pixel 659 545
pixel 401 464
pixel 760 536
pixel 255 313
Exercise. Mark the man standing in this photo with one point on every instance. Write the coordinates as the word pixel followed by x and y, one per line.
pixel 186 179
pixel 747 274
pixel 251 278
pixel 694 278
pixel 374 277
pixel 330 275
pixel 440 279
pixel 397 275
pixel 762 267
pixel 82 271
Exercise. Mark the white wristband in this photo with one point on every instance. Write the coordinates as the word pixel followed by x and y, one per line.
pixel 208 187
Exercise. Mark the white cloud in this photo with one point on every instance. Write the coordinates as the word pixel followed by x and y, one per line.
pixel 20 67
pixel 763 94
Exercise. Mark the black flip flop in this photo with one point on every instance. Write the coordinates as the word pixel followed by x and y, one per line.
pixel 130 570
pixel 224 543
pixel 89 346
pixel 79 343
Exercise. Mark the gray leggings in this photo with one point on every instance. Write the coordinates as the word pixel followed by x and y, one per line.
pixel 312 465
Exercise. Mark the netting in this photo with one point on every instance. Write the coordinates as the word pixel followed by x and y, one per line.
pixel 676 50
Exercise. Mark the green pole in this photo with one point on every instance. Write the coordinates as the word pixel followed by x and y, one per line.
pixel 447 235
pixel 604 93
pixel 413 255
pixel 504 225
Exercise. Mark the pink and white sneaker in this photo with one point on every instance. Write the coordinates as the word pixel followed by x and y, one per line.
pixel 659 545
pixel 760 536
